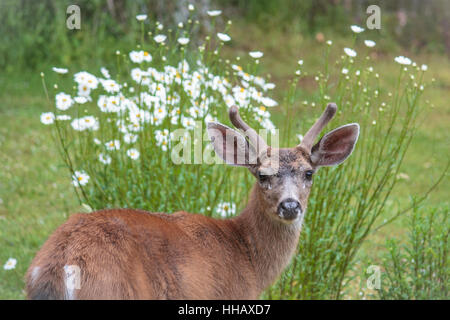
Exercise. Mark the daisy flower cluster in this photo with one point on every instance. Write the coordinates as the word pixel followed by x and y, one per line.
pixel 156 98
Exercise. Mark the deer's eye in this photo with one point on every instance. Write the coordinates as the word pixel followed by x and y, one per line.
pixel 309 174
pixel 262 177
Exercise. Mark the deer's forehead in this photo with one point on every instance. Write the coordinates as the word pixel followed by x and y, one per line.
pixel 289 160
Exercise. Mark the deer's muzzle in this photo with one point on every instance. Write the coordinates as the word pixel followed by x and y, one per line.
pixel 289 209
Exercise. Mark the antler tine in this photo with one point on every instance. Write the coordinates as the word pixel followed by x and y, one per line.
pixel 237 121
pixel 311 135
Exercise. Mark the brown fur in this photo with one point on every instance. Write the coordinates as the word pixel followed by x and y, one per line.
pixel 134 254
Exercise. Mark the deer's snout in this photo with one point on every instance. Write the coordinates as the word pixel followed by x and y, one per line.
pixel 289 209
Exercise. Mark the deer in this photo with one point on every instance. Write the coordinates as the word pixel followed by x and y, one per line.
pixel 135 254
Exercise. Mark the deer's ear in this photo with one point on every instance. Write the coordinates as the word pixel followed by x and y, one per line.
pixel 230 145
pixel 335 146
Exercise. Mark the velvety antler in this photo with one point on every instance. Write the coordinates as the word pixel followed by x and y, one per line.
pixel 309 138
pixel 257 141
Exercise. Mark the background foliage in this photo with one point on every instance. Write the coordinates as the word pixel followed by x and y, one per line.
pixel 35 191
pixel 32 33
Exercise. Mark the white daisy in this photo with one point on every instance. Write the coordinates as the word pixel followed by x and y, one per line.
pixel 63 101
pixel 10 264
pixel 113 145
pixel 214 13
pixel 159 38
pixel 63 117
pixel 269 86
pixel 85 123
pixel 188 123
pixel 80 100
pixel 356 29
pixel 47 117
pixel 80 178
pixel 268 102
pixel 226 209
pixel 256 54
pixel 141 17
pixel 191 7
pixel 344 70
pixel 403 60
pixel 136 56
pixel 60 70
pixel 147 57
pixel 110 86
pixel 162 138
pixel 350 52
pixel 86 78
pixel 223 36
pixel 104 158
pixel 84 90
pixel 130 138
pixel 105 72
pixel 424 67
pixel 133 153
pixel 369 43
pixel 183 41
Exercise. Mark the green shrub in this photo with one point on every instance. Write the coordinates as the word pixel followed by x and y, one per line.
pixel 419 269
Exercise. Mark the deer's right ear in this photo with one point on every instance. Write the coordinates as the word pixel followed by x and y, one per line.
pixel 230 145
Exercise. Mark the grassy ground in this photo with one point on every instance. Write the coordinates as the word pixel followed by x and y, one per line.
pixel 35 191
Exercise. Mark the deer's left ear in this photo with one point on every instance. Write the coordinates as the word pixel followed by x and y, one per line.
pixel 335 146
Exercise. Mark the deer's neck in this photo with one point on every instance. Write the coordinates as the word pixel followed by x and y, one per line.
pixel 271 242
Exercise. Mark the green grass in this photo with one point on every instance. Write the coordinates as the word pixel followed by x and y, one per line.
pixel 35 188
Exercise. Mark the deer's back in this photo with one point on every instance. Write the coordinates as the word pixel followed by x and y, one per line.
pixel 133 254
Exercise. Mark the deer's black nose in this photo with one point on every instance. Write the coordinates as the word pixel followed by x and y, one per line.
pixel 289 209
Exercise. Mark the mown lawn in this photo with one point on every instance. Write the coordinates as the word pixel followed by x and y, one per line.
pixel 35 191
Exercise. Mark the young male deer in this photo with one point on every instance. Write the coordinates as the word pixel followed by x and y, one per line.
pixel 133 254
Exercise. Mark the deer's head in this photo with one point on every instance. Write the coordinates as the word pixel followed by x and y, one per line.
pixel 284 175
